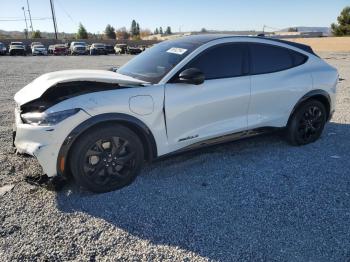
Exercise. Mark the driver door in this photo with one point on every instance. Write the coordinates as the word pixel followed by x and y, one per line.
pixel 218 106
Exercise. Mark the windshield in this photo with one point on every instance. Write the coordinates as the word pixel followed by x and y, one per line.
pixel 154 63
pixel 99 45
pixel 39 46
pixel 79 43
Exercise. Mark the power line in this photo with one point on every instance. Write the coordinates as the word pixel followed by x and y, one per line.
pixel 65 11
pixel 21 19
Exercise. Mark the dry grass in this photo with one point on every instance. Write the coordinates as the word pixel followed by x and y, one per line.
pixel 328 44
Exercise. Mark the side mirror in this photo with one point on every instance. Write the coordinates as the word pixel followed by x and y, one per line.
pixel 191 76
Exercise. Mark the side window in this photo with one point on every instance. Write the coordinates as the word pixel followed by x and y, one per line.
pixel 222 61
pixel 268 58
pixel 298 59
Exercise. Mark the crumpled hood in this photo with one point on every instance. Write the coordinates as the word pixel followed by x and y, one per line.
pixel 38 87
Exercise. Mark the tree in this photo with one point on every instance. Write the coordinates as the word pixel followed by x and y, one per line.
pixel 36 34
pixel 156 32
pixel 110 32
pixel 133 29
pixel 168 31
pixel 122 34
pixel 82 33
pixel 160 30
pixel 137 29
pixel 343 26
pixel 203 30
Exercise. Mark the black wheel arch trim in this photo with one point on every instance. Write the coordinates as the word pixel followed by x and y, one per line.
pixel 130 121
pixel 311 94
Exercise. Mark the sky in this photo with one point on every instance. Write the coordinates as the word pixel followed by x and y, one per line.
pixel 184 15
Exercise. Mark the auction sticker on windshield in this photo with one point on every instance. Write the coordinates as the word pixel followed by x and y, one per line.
pixel 177 50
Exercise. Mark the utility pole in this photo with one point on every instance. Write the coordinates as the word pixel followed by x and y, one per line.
pixel 53 17
pixel 30 17
pixel 25 19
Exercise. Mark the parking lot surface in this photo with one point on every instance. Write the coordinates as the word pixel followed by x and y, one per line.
pixel 257 199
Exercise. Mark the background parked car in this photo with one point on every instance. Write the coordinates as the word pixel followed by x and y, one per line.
pixel 33 44
pixel 98 49
pixel 134 50
pixel 50 49
pixel 60 49
pixel 78 48
pixel 17 48
pixel 39 50
pixel 109 49
pixel 2 49
pixel 120 48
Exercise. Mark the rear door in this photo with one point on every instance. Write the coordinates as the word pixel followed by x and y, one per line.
pixel 216 107
pixel 279 78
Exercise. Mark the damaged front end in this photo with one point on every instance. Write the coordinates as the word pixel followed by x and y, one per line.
pixel 41 127
pixel 64 91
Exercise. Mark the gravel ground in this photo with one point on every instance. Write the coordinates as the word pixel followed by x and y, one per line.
pixel 258 199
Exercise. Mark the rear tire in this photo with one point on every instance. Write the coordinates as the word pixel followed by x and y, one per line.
pixel 307 123
pixel 106 159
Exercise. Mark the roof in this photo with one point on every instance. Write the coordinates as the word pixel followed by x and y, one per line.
pixel 205 38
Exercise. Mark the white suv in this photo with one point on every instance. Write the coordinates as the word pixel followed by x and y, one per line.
pixel 39 50
pixel 78 48
pixel 100 126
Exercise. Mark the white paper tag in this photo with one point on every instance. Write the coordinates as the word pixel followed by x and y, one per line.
pixel 177 50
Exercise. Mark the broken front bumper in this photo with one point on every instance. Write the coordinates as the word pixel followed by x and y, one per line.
pixel 44 142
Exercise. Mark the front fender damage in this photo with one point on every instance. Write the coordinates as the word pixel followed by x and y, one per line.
pixel 64 91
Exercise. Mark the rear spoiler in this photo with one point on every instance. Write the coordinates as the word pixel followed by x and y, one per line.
pixel 303 47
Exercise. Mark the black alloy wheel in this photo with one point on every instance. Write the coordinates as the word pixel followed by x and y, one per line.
pixel 107 159
pixel 307 123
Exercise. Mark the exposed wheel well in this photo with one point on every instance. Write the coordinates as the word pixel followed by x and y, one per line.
pixel 318 97
pixel 324 100
pixel 148 150
pixel 148 143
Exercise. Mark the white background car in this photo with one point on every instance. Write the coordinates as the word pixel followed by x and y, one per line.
pixel 179 95
pixel 17 48
pixel 39 50
pixel 78 48
pixel 98 49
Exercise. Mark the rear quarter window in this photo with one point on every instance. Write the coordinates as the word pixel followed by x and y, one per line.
pixel 298 59
pixel 267 58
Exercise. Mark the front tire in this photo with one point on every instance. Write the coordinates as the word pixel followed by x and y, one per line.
pixel 106 159
pixel 307 123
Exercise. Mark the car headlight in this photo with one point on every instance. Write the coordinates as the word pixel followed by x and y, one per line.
pixel 44 119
